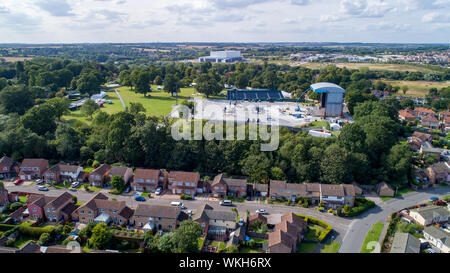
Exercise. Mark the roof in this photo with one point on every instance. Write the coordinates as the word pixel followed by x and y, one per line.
pixel 69 208
pixel 258 216
pixel 55 249
pixel 281 237
pixel 326 87
pixel 185 176
pixel 405 243
pixel 332 190
pixel 157 211
pixel 34 162
pixel 293 218
pixel 431 212
pixel 424 110
pixel 235 182
pixel 218 179
pixel 430 119
pixel 406 114
pixel 261 187
pixel 438 233
pixel 6 161
pixel 126 212
pixel 110 204
pixel 91 203
pixel 65 168
pixel 384 186
pixel 147 174
pixel 207 213
pixel 61 200
pixel 102 169
pixel 30 247
pixel 422 136
pixel 441 167
pixel 104 218
pixel 117 170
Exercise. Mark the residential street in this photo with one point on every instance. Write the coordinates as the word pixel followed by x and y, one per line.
pixel 350 233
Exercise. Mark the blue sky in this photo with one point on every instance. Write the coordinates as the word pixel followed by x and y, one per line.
pixel 75 21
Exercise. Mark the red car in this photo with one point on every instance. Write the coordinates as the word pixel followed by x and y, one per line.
pixel 18 182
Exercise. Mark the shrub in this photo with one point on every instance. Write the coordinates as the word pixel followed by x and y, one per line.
pixel 10 242
pixel 89 162
pixel 35 232
pixel 361 205
pixel 186 197
pixel 45 237
pixel 95 164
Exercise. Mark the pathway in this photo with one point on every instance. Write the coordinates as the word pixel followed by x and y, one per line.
pixel 120 98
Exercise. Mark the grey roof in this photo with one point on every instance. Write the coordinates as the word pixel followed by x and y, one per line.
pixel 157 211
pixel 431 212
pixel 441 167
pixel 235 182
pixel 439 234
pixel 207 213
pixel 405 243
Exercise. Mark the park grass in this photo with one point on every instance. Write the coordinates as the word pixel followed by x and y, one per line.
pixel 247 250
pixel 332 247
pixel 374 66
pixel 417 88
pixel 307 247
pixel 372 235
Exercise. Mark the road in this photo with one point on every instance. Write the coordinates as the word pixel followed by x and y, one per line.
pixel 357 232
pixel 350 233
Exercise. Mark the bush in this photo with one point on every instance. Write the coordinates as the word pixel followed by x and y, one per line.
pixel 361 205
pixel 35 232
pixel 45 237
pixel 95 164
pixel 10 242
pixel 89 162
pixel 328 228
pixel 186 197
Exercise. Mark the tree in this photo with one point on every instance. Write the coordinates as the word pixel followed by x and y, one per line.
pixel 207 85
pixel 118 183
pixel 256 167
pixel 43 239
pixel 158 80
pixel 151 242
pixel 60 106
pixel 171 84
pixel 15 99
pixel 88 84
pixel 167 244
pixel 186 237
pixel 277 173
pixel 143 82
pixel 40 119
pixel 241 81
pixel 334 165
pixel 405 89
pixel 101 237
pixel 89 107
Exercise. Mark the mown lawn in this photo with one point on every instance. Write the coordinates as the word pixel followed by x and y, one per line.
pixel 372 236
pixel 375 66
pixel 417 88
pixel 307 247
pixel 247 250
pixel 332 247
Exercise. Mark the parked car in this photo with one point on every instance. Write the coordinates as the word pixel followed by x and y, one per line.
pixel 432 199
pixel 158 191
pixel 76 185
pixel 139 199
pixel 18 182
pixel 39 182
pixel 226 203
pixel 43 188
pixel 127 190
pixel 178 204
pixel 241 222
pixel 189 212
pixel 262 211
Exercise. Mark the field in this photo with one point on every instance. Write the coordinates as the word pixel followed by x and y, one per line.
pixel 157 103
pixel 417 88
pixel 372 236
pixel 373 66
pixel 14 59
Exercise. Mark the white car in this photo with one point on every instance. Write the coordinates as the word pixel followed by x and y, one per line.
pixel 42 188
pixel 262 211
pixel 158 191
pixel 39 182
pixel 75 185
pixel 241 222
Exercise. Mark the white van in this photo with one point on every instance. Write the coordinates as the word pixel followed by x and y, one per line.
pixel 226 203
pixel 177 204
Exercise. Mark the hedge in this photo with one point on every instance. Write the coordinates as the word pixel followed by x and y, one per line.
pixel 35 232
pixel 328 228
pixel 4 227
pixel 364 205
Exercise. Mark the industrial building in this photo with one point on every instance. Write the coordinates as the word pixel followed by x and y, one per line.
pixel 331 99
pixel 255 95
pixel 222 57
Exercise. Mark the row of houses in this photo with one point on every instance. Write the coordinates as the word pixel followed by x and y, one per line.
pixel 428 117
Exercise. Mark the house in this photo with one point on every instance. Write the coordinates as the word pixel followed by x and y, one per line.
pixel 444 115
pixel 447 122
pixel 430 215
pixel 99 176
pixel 8 167
pixel 427 148
pixel 124 172
pixel 405 243
pixel 383 189
pixel 257 217
pixel 438 237
pixel 62 172
pixel 215 223
pixel 438 173
pixel 424 112
pixel 157 217
pixel 101 210
pixel 28 248
pixel 147 180
pixel 53 209
pixel 430 122
pixel 4 195
pixel 407 114
pixel 260 190
pixel 287 234
pixel 332 196
pixel 33 168
pixel 184 182
pixel 418 139
pixel 222 186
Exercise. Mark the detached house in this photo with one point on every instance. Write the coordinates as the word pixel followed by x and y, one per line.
pixel 99 175
pixel 8 167
pixel 155 218
pixel 418 139
pixel 184 182
pixel 101 210
pixel 287 234
pixel 438 238
pixel 407 114
pixel 32 168
pixel 383 189
pixel 430 215
pixel 147 180
pixel 60 172
pixel 222 186
pixel 424 112
pixel 215 223
pixel 124 172
pixel 430 122
pixel 53 209
pixel 438 173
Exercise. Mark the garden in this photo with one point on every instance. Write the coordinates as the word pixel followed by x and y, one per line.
pixel 361 205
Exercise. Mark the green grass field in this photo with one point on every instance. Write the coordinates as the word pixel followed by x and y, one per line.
pixel 157 103
pixel 417 88
pixel 307 247
pixel 332 247
pixel 372 236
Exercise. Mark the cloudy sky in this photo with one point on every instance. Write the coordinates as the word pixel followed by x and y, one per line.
pixel 75 21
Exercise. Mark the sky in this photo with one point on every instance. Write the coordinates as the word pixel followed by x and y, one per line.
pixel 139 21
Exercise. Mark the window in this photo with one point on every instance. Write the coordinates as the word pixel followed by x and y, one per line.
pixel 280 190
pixel 48 209
pixel 34 209
pixel 203 224
pixel 169 227
pixel 180 183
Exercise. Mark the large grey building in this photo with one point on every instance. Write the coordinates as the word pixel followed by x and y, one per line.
pixel 331 98
pixel 222 57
